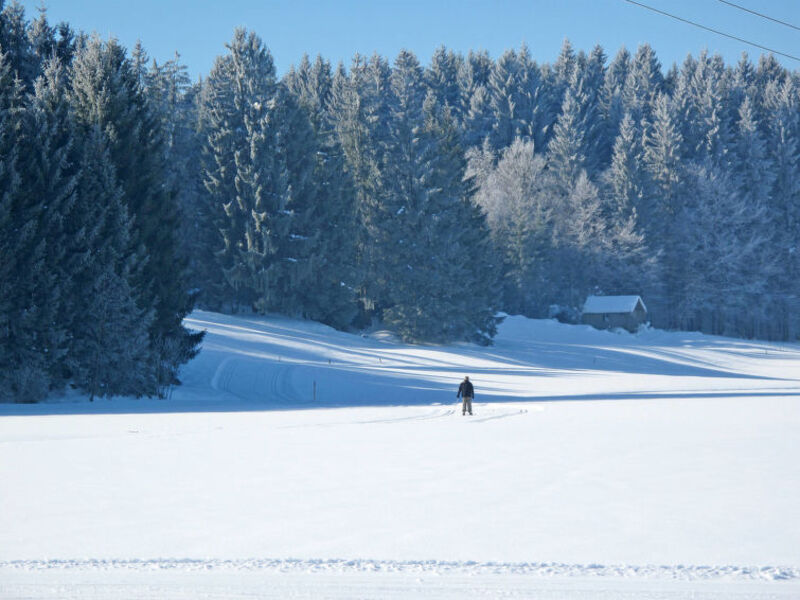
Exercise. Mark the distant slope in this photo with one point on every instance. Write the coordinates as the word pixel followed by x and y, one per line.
pixel 281 363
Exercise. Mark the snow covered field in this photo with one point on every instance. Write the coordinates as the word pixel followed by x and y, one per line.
pixel 297 461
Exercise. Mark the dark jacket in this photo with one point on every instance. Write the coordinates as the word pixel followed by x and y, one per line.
pixel 466 390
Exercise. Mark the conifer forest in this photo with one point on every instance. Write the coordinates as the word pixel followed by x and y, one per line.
pixel 427 199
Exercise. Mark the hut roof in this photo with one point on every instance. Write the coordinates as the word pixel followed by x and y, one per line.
pixel 612 304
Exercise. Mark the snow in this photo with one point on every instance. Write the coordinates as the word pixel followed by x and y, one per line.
pixel 611 304
pixel 598 465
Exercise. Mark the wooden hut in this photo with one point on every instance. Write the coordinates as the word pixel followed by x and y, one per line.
pixel 608 312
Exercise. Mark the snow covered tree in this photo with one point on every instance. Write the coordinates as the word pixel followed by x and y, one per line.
pixel 48 202
pixel 441 77
pixel 753 173
pixel 563 70
pixel 611 102
pixel 328 215
pixel 665 200
pixel 727 263
pixel 243 175
pixel 702 109
pixel 360 112
pixel 23 374
pixel 567 150
pixel 106 91
pixel 478 118
pixel 473 75
pixel 443 280
pixel 15 44
pixel 625 177
pixel 114 343
pixel 505 99
pixel 518 201
pixel 643 84
pixel 783 128
pixel 110 352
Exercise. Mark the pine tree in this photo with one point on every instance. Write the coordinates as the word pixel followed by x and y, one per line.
pixel 22 376
pixel 643 84
pixel 327 215
pixel 567 150
pixel 505 99
pixel 359 108
pixel 430 233
pixel 110 352
pixel 783 128
pixel 249 176
pixel 473 74
pixel 15 44
pixel 577 263
pixel 48 198
pixel 701 107
pixel 563 70
pixel 727 263
pixel 662 212
pixel 106 91
pixel 518 201
pixel 42 39
pixel 478 118
pixel 442 79
pixel 611 103
pixel 398 207
pixel 625 179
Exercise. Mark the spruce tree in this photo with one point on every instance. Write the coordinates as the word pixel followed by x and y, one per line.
pixel 106 91
pixel 643 84
pixel 110 352
pixel 625 177
pixel 611 103
pixel 326 215
pixel 505 101
pixel 359 106
pixel 429 233
pixel 517 197
pixel 727 265
pixel 48 198
pixel 441 77
pixel 666 198
pixel 258 175
pixel 783 129
pixel 567 150
pixel 22 377
pixel 15 44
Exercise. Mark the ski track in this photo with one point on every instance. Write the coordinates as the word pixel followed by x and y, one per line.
pixel 417 567
pixel 190 579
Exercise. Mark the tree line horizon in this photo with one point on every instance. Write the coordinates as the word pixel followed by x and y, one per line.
pixel 428 199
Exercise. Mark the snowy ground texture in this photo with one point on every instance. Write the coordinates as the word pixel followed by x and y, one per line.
pixel 297 461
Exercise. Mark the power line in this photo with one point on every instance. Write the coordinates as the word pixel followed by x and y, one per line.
pixel 758 14
pixel 722 33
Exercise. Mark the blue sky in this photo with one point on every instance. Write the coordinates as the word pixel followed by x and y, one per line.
pixel 198 29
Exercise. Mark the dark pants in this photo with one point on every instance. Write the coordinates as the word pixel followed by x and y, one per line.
pixel 466 406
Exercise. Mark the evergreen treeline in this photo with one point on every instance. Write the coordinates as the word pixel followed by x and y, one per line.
pixel 424 198
pixel 428 198
pixel 92 285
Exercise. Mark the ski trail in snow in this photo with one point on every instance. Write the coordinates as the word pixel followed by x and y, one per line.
pixel 271 382
pixel 221 367
pixel 342 566
pixel 426 416
pixel 503 415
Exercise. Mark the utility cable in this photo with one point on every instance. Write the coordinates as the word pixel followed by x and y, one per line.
pixel 722 33
pixel 758 14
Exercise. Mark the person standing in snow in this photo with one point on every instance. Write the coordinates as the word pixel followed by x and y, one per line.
pixel 467 392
